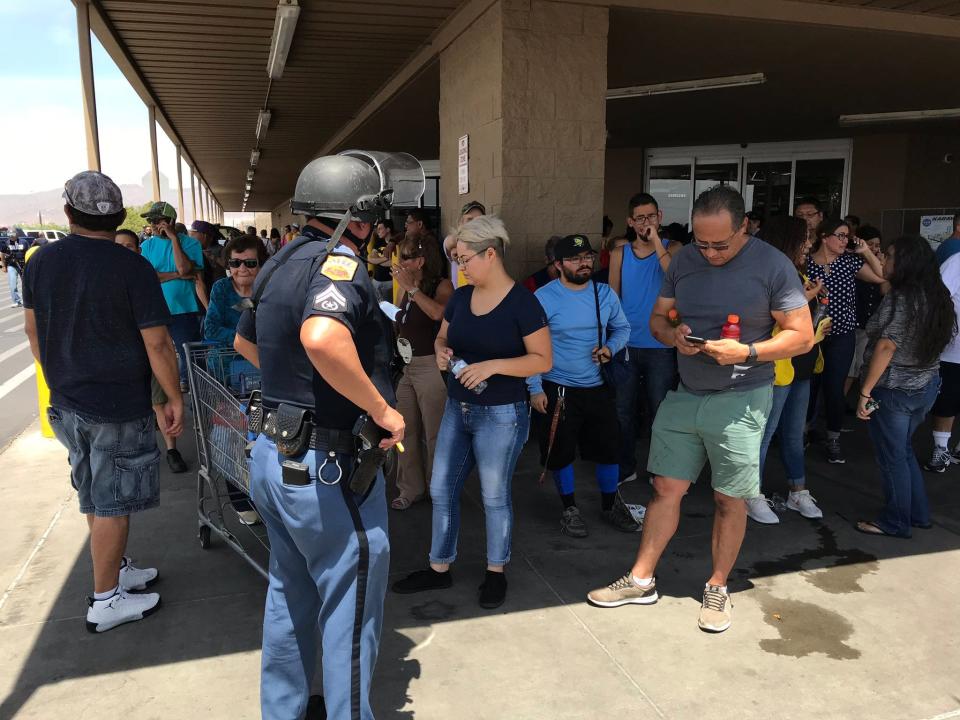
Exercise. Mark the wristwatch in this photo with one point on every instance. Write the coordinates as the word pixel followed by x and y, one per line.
pixel 751 353
pixel 413 291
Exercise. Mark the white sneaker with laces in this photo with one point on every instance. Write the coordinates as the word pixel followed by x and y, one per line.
pixel 761 510
pixel 133 578
pixel 120 608
pixel 805 504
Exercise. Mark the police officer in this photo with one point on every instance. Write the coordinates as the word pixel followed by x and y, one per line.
pixel 324 349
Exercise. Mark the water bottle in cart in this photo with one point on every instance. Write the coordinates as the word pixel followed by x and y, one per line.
pixel 456 367
pixel 731 329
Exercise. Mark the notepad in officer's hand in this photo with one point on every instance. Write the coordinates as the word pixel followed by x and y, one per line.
pixel 389 309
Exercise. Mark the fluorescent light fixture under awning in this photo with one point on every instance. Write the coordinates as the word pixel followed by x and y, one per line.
pixel 283 28
pixel 263 122
pixel 905 116
pixel 680 86
pixel 254 158
pixel 249 174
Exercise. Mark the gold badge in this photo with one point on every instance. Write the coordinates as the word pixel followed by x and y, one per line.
pixel 339 267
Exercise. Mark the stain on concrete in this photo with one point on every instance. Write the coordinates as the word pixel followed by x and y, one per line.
pixel 839 575
pixel 805 629
pixel 432 611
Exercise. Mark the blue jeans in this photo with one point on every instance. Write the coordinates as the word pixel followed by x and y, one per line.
pixel 329 560
pixel 114 466
pixel 184 328
pixel 788 418
pixel 838 351
pixel 656 369
pixel 13 275
pixel 489 437
pixel 892 426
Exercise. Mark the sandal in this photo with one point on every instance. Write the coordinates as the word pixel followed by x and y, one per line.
pixel 401 503
pixel 871 528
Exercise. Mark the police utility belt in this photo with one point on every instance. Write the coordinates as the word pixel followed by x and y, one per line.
pixel 294 432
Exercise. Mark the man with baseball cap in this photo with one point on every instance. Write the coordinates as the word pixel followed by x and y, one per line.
pixel 177 259
pixel 208 236
pixel 587 328
pixel 97 323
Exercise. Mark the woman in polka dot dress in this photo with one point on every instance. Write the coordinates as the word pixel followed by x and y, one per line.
pixel 837 259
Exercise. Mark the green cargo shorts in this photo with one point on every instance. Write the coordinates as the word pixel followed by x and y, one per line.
pixel 725 428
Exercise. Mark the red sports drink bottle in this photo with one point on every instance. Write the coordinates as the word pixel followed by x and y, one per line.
pixel 731 330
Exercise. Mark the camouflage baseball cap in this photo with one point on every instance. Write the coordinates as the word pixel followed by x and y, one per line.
pixel 93 193
pixel 161 211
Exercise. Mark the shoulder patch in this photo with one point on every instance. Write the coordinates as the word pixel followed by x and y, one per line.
pixel 330 299
pixel 339 267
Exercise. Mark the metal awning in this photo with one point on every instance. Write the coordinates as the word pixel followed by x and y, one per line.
pixel 204 62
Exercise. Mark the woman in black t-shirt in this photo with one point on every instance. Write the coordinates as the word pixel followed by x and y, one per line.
pixel 499 332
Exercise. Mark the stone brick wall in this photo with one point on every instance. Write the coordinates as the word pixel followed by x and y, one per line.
pixel 528 83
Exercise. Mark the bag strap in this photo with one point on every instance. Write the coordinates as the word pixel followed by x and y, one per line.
pixel 554 423
pixel 596 297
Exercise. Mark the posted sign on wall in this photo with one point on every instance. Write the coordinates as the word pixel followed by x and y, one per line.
pixel 463 164
pixel 936 228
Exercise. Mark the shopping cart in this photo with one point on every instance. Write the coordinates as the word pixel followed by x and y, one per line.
pixel 220 382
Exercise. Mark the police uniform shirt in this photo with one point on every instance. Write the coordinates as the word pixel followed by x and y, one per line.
pixel 304 287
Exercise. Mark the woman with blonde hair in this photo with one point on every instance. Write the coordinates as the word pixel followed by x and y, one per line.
pixel 494 335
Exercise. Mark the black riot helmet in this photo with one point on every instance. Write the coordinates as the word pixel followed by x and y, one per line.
pixel 363 183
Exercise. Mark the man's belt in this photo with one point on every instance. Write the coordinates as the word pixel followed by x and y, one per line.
pixel 322 439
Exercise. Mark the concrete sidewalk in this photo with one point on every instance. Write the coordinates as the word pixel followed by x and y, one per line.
pixel 827 622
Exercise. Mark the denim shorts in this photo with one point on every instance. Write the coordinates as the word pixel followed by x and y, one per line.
pixel 115 467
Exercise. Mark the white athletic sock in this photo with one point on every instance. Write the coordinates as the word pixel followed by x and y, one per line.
pixel 941 439
pixel 106 595
pixel 723 588
pixel 641 582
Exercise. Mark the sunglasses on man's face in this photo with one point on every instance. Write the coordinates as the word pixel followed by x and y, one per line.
pixel 249 264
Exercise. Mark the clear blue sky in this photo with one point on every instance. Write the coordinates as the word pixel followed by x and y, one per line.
pixel 42 125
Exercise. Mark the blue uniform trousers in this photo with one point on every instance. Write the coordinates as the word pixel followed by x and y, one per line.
pixel 329 561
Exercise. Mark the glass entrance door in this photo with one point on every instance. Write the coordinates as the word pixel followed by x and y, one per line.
pixel 771 176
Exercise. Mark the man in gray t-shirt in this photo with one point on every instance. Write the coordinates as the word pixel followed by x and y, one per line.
pixel 720 410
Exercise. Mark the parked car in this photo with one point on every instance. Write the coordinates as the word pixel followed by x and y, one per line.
pixel 49 235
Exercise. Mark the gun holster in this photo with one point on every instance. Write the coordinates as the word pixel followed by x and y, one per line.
pixel 369 462
pixel 294 430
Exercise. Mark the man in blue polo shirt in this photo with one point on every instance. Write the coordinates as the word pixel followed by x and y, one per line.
pixel 587 327
pixel 177 259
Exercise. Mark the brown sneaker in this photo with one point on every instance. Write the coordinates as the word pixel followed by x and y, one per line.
pixel 624 592
pixel 715 612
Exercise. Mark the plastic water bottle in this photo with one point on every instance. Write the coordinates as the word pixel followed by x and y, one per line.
pixel 456 367
pixel 731 330
pixel 823 308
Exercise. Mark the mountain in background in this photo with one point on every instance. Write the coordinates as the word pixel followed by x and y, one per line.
pixel 22 210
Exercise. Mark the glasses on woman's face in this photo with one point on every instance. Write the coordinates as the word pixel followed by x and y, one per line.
pixel 249 264
pixel 464 261
pixel 413 256
pixel 842 236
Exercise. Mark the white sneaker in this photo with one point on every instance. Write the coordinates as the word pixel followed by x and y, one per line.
pixel 629 478
pixel 761 510
pixel 121 608
pixel 249 517
pixel 132 578
pixel 805 504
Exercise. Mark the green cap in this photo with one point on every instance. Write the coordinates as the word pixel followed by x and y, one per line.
pixel 161 211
